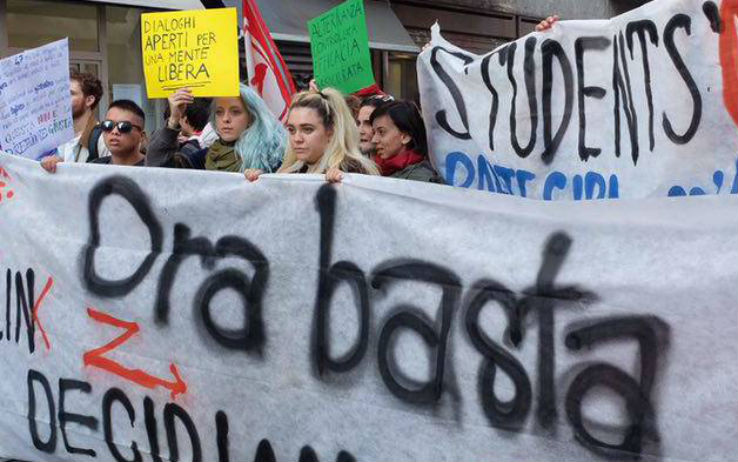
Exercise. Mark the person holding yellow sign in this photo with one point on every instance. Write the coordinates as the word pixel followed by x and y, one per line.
pixel 188 53
pixel 250 137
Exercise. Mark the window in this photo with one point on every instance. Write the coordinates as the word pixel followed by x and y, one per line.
pixel 402 77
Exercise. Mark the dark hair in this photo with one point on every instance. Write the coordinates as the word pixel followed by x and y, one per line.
pixel 376 100
pixel 128 105
pixel 90 85
pixel 198 114
pixel 406 116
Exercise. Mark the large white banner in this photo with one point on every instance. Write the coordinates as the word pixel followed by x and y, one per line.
pixel 157 314
pixel 642 105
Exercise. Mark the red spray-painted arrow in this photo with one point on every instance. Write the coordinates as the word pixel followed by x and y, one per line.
pixel 95 358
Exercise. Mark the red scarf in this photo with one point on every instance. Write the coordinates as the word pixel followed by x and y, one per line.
pixel 398 162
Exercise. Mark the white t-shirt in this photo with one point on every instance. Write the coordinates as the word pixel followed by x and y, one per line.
pixel 207 137
pixel 71 151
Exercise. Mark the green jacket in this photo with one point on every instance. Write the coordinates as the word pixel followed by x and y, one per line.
pixel 422 171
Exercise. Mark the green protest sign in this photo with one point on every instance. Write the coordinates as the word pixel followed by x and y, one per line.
pixel 339 42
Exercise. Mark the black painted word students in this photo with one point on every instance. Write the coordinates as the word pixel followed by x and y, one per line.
pixel 400 142
pixel 85 91
pixel 250 137
pixel 323 138
pixel 123 132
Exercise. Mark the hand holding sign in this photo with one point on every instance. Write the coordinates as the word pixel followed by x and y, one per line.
pixel 178 102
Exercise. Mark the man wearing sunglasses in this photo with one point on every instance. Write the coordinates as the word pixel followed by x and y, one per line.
pixel 123 130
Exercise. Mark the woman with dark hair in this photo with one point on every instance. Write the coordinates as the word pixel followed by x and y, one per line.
pixel 363 121
pixel 400 142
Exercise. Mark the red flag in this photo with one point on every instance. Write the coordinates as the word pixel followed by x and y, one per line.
pixel 268 74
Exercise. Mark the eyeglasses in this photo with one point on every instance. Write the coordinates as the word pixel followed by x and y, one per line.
pixel 123 127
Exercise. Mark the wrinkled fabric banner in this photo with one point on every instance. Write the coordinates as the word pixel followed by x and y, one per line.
pixel 642 105
pixel 156 314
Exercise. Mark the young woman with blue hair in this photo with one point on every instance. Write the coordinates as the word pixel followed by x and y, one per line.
pixel 250 137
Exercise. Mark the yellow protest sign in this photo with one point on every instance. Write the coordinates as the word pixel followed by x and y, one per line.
pixel 197 49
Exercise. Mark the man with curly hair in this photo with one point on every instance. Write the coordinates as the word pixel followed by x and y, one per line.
pixel 88 144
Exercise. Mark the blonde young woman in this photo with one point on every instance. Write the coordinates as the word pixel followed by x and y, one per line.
pixel 323 138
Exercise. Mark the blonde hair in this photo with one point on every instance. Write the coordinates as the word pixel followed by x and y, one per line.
pixel 342 151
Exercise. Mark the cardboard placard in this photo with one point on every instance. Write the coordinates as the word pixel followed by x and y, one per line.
pixel 35 107
pixel 339 43
pixel 196 49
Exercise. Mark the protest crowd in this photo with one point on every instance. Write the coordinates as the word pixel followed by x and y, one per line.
pixel 321 135
pixel 324 130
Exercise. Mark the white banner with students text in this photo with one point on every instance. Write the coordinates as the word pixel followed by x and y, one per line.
pixel 158 314
pixel 642 105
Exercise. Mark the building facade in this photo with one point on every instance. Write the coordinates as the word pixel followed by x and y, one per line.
pixel 105 35
pixel 104 39
pixel 480 26
pixel 399 28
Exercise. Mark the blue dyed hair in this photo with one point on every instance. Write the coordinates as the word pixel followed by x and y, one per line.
pixel 263 143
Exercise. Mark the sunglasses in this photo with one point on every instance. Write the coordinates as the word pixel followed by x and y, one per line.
pixel 123 127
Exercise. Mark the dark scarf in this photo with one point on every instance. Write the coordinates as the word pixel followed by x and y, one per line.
pixel 394 164
pixel 222 156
